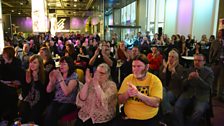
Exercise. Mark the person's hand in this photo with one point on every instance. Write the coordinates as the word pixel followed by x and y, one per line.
pixel 172 70
pixel 193 75
pixel 52 77
pixel 88 77
pixel 132 90
pixel 165 63
pixel 97 51
pixel 58 75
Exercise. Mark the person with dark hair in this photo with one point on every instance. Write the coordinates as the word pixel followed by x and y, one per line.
pixel 70 51
pixel 49 63
pixel 11 77
pixel 82 58
pixel 141 94
pixel 196 93
pixel 64 82
pixel 216 59
pixel 33 103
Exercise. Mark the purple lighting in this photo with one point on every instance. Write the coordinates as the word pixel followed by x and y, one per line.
pixel 77 23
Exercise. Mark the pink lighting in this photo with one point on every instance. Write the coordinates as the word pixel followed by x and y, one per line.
pixel 184 21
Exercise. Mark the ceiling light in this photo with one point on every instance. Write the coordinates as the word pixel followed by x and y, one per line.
pixel 19 13
pixel 58 4
pixel 75 5
pixel 75 0
pixel 12 10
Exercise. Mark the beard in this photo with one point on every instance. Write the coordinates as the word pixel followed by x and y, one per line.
pixel 141 75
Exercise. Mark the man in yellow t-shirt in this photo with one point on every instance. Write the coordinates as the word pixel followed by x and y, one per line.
pixel 141 93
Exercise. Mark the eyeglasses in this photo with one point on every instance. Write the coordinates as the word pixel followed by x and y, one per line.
pixel 101 73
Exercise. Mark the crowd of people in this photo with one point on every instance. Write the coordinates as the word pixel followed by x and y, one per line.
pixel 143 84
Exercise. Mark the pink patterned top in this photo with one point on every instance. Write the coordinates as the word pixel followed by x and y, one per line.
pixel 100 111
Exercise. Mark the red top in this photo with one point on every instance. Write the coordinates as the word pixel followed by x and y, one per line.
pixel 155 62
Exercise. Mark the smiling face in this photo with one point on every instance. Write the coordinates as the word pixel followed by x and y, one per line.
pixel 34 65
pixel 102 73
pixel 64 67
pixel 172 57
pixel 139 69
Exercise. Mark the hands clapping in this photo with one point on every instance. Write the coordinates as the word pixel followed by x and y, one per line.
pixel 132 90
pixel 193 75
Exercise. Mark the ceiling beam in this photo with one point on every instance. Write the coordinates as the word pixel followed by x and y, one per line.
pixel 7 4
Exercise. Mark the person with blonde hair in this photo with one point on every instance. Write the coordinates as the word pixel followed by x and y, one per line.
pixel 171 75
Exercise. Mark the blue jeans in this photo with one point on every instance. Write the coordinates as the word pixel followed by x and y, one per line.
pixel 168 101
pixel 182 104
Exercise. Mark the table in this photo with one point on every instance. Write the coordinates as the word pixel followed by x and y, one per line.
pixel 188 57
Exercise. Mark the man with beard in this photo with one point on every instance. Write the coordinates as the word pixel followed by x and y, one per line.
pixel 141 93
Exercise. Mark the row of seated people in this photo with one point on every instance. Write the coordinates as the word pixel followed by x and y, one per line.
pixel 140 92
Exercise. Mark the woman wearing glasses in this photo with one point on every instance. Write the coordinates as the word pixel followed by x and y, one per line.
pixel 97 99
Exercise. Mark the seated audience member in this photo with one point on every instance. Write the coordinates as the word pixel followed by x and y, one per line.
pixel 102 55
pixel 122 53
pixel 141 94
pixel 196 50
pixel 97 99
pixel 26 56
pixel 60 49
pixel 11 77
pixel 49 63
pixel 171 75
pixel 82 58
pixel 126 67
pixel 196 93
pixel 33 104
pixel 64 82
pixel 70 51
pixel 155 60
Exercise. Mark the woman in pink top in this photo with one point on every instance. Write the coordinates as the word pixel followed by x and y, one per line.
pixel 97 99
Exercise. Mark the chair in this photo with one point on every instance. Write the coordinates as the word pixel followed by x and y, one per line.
pixel 69 119
pixel 80 73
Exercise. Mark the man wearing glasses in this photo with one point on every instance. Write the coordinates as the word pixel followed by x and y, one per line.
pixel 197 93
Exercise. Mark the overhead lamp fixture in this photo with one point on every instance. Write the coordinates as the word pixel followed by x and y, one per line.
pixel 75 5
pixel 12 11
pixel 19 13
pixel 75 0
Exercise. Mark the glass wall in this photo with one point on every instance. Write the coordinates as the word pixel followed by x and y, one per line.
pixel 128 14
pixel 155 14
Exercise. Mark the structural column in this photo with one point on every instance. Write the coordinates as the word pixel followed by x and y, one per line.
pixel 39 16
pixel 1 30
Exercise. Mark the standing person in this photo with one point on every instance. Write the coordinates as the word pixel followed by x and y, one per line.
pixel 141 94
pixel 197 92
pixel 216 59
pixel 33 104
pixel 11 77
pixel 64 83
pixel 97 99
